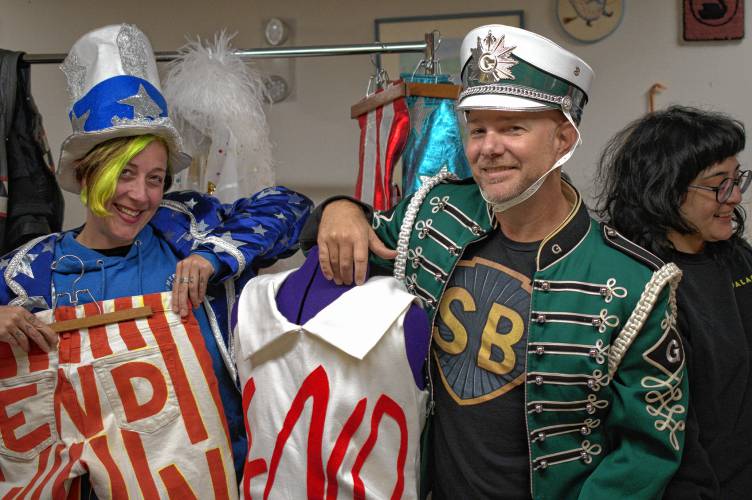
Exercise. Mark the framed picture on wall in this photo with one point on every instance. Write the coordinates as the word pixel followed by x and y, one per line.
pixel 589 21
pixel 713 20
pixel 452 29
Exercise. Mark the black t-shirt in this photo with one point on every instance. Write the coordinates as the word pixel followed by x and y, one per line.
pixel 714 300
pixel 115 252
pixel 480 447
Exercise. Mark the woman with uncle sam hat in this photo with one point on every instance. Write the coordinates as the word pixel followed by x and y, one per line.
pixel 149 407
pixel 556 368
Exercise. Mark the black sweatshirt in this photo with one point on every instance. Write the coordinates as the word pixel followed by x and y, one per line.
pixel 715 320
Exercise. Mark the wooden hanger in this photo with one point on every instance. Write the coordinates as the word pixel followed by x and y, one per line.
pixel 403 89
pixel 400 88
pixel 438 90
pixel 96 319
pixel 101 319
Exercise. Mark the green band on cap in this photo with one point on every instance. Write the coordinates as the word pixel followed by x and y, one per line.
pixel 528 82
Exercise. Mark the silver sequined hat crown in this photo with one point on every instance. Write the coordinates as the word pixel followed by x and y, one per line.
pixel 114 90
pixel 512 69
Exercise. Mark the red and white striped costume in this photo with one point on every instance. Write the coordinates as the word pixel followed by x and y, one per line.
pixel 330 406
pixel 135 404
pixel 383 134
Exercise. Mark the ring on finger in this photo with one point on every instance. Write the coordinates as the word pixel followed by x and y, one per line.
pixel 185 279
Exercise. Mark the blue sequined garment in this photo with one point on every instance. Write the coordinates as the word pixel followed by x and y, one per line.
pixel 434 141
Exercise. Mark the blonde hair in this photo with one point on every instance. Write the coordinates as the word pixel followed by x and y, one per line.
pixel 98 171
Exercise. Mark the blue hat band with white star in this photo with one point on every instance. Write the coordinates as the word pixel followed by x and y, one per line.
pixel 116 101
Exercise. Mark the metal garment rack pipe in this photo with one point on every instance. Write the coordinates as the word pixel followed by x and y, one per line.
pixel 277 52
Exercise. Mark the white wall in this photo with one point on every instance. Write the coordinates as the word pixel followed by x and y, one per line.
pixel 315 140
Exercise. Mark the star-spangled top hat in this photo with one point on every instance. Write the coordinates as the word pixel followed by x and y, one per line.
pixel 114 90
pixel 508 68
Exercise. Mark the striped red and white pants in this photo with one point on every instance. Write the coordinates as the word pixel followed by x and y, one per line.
pixel 133 404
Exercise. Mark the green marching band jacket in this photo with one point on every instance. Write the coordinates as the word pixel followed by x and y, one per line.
pixel 606 392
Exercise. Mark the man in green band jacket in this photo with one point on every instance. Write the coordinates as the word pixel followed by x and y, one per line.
pixel 556 368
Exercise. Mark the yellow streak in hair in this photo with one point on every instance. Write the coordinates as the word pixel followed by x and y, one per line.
pixel 105 182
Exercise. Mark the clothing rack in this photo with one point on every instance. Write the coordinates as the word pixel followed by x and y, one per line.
pixel 427 47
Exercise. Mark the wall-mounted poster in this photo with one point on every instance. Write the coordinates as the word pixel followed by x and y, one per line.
pixel 713 19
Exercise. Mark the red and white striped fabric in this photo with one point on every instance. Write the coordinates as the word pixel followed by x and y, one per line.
pixel 133 404
pixel 383 134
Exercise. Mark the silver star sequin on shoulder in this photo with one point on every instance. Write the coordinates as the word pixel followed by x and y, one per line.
pixel 24 266
pixel 134 53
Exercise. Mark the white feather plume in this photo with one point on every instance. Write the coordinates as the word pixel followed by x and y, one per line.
pixel 216 100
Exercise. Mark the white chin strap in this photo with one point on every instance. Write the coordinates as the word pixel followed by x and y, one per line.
pixel 533 188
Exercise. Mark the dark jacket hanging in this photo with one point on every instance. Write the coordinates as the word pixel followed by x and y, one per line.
pixel 31 203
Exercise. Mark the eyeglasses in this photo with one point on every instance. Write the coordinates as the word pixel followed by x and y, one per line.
pixel 726 187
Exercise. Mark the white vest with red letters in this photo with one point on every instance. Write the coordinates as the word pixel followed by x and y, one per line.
pixel 331 407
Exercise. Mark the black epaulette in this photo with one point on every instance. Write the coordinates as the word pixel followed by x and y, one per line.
pixel 615 239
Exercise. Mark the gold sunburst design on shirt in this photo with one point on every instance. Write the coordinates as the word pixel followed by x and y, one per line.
pixel 493 59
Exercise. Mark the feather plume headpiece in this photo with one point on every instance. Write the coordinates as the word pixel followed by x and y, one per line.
pixel 217 101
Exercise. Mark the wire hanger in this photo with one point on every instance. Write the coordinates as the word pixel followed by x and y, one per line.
pixel 431 66
pixel 403 89
pixel 97 319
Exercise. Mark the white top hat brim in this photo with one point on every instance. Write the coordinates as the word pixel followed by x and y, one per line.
pixel 78 144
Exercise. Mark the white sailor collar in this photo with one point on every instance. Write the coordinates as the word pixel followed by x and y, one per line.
pixel 354 323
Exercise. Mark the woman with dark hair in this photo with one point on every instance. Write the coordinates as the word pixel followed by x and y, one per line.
pixel 671 182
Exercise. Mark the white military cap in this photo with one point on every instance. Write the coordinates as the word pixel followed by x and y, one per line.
pixel 512 69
